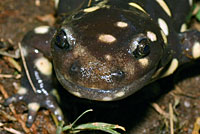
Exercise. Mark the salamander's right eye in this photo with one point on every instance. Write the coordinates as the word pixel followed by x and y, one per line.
pixel 61 39
pixel 140 47
pixel 143 48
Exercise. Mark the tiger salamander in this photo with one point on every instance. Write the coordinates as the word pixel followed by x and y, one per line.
pixel 105 50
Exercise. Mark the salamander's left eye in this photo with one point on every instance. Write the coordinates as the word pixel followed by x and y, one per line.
pixel 61 39
pixel 141 48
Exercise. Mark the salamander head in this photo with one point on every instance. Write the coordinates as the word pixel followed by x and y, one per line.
pixel 106 54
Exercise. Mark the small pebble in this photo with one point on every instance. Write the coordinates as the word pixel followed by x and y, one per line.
pixel 187 104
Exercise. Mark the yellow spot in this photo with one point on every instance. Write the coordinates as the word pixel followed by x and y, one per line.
pixel 76 94
pixel 58 111
pixel 163 36
pixel 107 99
pixel 34 106
pixel 44 66
pixel 151 36
pixel 191 2
pixel 183 28
pixel 137 6
pixel 164 6
pixel 56 3
pixel 41 29
pixel 196 50
pixel 144 62
pixel 173 66
pixel 157 73
pixel 121 24
pixel 108 57
pixel 22 91
pixel 107 38
pixel 120 94
pixel 163 26
pixel 91 9
pixel 54 92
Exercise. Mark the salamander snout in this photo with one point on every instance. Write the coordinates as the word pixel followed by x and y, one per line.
pixel 76 68
pixel 95 73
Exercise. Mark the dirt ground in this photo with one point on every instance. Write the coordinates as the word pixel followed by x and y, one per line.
pixel 179 92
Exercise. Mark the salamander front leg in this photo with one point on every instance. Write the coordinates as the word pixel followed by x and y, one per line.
pixel 34 101
pixel 36 51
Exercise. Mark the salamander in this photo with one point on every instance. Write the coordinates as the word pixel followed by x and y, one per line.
pixel 105 50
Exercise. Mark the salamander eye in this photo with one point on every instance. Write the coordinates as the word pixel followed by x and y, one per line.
pixel 61 39
pixel 141 48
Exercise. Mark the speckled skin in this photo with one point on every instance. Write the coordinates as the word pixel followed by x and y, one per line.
pixel 105 50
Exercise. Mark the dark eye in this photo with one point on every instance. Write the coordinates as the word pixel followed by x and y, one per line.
pixel 61 39
pixel 142 49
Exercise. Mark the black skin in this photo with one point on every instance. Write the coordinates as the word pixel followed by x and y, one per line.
pixel 94 69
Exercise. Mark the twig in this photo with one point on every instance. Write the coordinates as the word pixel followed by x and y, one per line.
pixel 6 115
pixel 1 124
pixel 171 115
pixel 196 129
pixel 13 110
pixel 8 54
pixel 3 51
pixel 195 11
pixel 159 110
pixel 13 63
pixel 89 3
pixel 26 68
pixel 11 130
pixel 10 76
pixel 178 91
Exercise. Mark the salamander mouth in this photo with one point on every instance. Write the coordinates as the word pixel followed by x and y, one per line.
pixel 104 94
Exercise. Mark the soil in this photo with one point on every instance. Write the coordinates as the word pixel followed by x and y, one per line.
pixel 149 116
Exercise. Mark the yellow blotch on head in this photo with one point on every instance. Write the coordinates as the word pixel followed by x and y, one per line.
pixel 106 38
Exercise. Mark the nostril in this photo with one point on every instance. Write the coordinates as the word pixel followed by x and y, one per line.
pixel 75 71
pixel 74 68
pixel 118 73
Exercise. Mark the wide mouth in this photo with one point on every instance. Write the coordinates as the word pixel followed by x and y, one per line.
pixel 104 94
